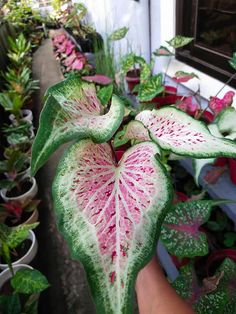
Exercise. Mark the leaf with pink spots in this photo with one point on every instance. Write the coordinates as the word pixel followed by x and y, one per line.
pixel 72 111
pixel 111 215
pixel 174 130
pixel 180 231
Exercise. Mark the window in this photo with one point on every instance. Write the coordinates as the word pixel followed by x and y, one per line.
pixel 212 23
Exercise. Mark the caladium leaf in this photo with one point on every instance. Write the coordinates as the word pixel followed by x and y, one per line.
pixel 98 78
pixel 176 131
pixel 199 164
pixel 72 111
pixel 179 41
pixel 183 77
pixel 111 214
pixel 204 300
pixel 232 61
pixel 180 231
pixel 119 33
pixel 226 121
pixel 105 94
pixel 150 89
pixel 163 51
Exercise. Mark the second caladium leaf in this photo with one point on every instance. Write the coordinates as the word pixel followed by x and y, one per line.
pixel 153 87
pixel 73 111
pixel 180 232
pixel 176 131
pixel 111 214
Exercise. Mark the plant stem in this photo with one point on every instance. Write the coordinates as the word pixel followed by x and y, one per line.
pixel 229 80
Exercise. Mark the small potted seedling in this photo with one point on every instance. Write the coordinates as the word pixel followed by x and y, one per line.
pixel 18 245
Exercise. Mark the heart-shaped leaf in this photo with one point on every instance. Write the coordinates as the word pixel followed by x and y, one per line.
pixel 183 77
pixel 203 300
pixel 135 130
pixel 72 111
pixel 180 232
pixel 163 51
pixel 176 131
pixel 29 281
pixel 119 33
pixel 111 214
pixel 179 41
pixel 150 89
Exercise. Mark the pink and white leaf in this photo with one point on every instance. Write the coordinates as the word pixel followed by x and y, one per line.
pixel 72 111
pixel 175 131
pixel 110 214
pixel 217 105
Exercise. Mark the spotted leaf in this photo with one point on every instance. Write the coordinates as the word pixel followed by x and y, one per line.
pixel 150 89
pixel 163 51
pixel 176 131
pixel 179 41
pixel 111 214
pixel 73 111
pixel 180 232
pixel 201 299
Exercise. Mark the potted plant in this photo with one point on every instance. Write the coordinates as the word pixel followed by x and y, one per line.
pixel 20 290
pixel 111 213
pixel 17 213
pixel 18 245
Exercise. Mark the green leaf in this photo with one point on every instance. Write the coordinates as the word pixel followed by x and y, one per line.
pixel 175 131
pixel 10 304
pixel 179 41
pixel 163 51
pixel 128 62
pixel 105 94
pixel 232 62
pixel 29 281
pixel 119 34
pixel 226 121
pixel 203 299
pixel 111 215
pixel 72 111
pixel 180 231
pixel 146 71
pixel 150 89
pixel 229 239
pixel 14 236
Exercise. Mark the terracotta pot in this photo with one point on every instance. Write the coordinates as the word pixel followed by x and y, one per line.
pixel 133 79
pixel 29 256
pixel 232 169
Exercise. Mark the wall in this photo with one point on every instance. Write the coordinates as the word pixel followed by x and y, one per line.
pixel 108 15
pixel 163 28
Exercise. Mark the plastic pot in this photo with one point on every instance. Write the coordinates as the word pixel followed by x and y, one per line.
pixel 27 116
pixel 29 256
pixel 5 275
pixel 132 78
pixel 30 194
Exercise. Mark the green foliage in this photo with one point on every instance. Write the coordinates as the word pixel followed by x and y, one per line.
pixel 10 304
pixel 118 34
pixel 180 231
pixel 105 94
pixel 232 61
pixel 12 237
pixel 179 41
pixel 29 281
pixel 12 102
pixel 151 88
